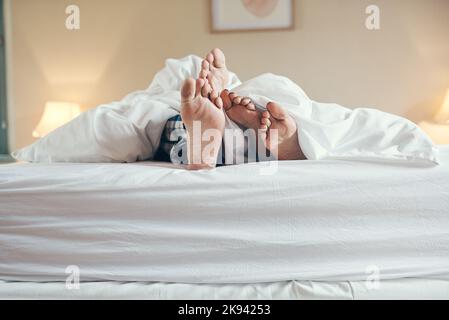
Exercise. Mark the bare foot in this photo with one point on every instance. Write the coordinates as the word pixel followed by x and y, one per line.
pixel 282 143
pixel 203 119
pixel 214 70
pixel 241 110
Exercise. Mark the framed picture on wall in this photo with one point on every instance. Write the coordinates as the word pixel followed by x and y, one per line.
pixel 252 15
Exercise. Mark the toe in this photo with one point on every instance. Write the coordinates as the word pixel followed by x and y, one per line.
pixel 227 103
pixel 246 101
pixel 204 74
pixel 206 90
pixel 251 107
pixel 276 111
pixel 188 90
pixel 237 100
pixel 266 122
pixel 219 103
pixel 199 86
pixel 219 58
pixel 205 68
pixel 212 82
pixel 210 58
pixel 213 94
pixel 205 65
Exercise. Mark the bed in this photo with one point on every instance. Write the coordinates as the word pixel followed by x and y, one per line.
pixel 290 230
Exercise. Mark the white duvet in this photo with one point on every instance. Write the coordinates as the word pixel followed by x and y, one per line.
pixel 130 130
pixel 310 220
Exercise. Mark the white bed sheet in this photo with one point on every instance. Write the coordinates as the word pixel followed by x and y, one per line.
pixel 404 289
pixel 317 220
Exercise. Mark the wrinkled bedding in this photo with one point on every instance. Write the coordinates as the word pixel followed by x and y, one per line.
pixel 130 130
pixel 262 222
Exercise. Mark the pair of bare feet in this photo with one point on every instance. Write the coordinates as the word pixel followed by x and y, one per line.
pixel 204 103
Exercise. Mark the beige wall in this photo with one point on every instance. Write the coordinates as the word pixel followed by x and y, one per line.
pixel 404 68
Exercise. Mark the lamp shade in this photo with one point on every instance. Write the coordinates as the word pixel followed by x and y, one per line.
pixel 443 114
pixel 56 114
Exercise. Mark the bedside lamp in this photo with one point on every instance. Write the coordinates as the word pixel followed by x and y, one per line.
pixel 439 129
pixel 56 114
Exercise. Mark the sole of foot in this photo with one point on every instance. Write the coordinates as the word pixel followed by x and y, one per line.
pixel 215 72
pixel 204 120
pixel 241 110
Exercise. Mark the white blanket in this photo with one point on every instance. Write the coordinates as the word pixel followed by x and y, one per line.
pixel 130 130
pixel 309 220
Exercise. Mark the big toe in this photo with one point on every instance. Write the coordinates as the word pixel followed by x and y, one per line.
pixel 188 90
pixel 219 58
pixel 276 111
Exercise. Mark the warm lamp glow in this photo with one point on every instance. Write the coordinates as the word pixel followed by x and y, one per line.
pixel 443 114
pixel 56 114
pixel 439 133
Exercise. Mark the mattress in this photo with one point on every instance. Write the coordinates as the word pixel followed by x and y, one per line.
pixel 409 289
pixel 257 223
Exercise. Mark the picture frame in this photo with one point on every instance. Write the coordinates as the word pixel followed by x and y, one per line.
pixel 251 15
